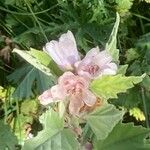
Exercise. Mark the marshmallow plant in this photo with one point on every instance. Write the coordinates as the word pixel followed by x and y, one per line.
pixel 78 115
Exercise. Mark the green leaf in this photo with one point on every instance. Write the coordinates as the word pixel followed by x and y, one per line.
pixel 53 136
pixel 7 139
pixel 30 58
pixel 122 69
pixel 103 120
pixel 124 137
pixel 25 77
pixel 46 60
pixel 137 113
pixel 123 6
pixel 112 42
pixel 109 86
pixel 19 125
pixel 130 99
pixel 131 54
pixel 29 107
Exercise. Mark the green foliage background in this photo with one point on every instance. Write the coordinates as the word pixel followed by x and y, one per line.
pixel 32 23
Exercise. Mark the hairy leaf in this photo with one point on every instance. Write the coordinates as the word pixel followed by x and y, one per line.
pixel 109 86
pixel 32 60
pixel 124 137
pixel 25 77
pixel 7 139
pixel 103 120
pixel 137 113
pixel 53 136
pixel 122 69
pixel 112 42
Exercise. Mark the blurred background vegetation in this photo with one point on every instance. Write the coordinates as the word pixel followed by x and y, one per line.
pixel 31 23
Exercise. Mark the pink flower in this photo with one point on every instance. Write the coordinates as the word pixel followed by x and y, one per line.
pixel 73 87
pixel 95 64
pixel 63 52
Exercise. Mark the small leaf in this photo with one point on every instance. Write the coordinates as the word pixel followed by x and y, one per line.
pixel 109 86
pixel 29 107
pixel 7 139
pixel 137 113
pixel 103 120
pixel 122 69
pixel 112 42
pixel 124 137
pixel 131 54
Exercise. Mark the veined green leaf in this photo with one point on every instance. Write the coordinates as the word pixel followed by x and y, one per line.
pixel 7 139
pixel 25 77
pixel 103 120
pixel 111 44
pixel 109 86
pixel 46 60
pixel 124 137
pixel 122 69
pixel 53 136
pixel 30 58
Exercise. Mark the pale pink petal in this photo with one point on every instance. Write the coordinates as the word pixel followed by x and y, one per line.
pixel 52 49
pixel 92 53
pixel 102 59
pixel 46 97
pixel 65 76
pixel 68 78
pixel 69 47
pixel 63 52
pixel 76 65
pixel 108 71
pixel 89 98
pixel 112 66
pixel 57 92
pixel 75 104
pixel 84 74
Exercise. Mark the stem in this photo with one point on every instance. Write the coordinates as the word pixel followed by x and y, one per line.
pixel 145 108
pixel 18 120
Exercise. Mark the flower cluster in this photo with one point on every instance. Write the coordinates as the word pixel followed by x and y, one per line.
pixel 78 73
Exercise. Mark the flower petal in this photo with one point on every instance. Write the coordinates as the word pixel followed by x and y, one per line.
pixel 108 71
pixel 112 66
pixel 68 79
pixel 57 92
pixel 89 98
pixel 63 52
pixel 52 49
pixel 68 46
pixel 75 104
pixel 46 97
pixel 102 58
pixel 93 52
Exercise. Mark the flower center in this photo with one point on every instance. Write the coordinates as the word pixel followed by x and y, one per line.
pixel 92 69
pixel 73 88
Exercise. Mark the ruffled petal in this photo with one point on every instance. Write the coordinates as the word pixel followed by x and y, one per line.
pixel 66 76
pixel 89 98
pixel 57 93
pixel 75 104
pixel 46 97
